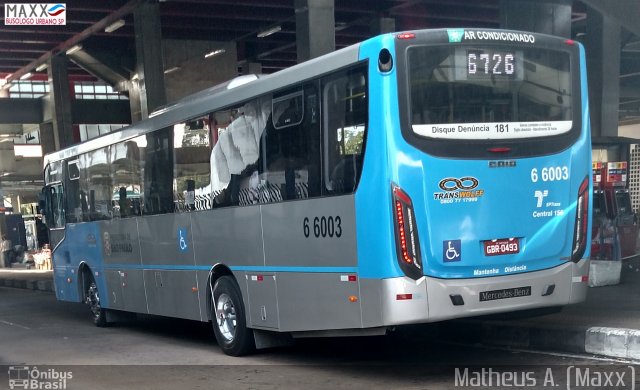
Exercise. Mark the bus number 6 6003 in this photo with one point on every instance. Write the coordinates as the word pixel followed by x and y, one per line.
pixel 322 227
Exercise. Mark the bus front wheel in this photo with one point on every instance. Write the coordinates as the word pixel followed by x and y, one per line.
pixel 229 320
pixel 92 299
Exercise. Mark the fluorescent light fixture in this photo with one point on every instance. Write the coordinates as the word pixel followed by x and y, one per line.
pixel 74 49
pixel 26 76
pixel 41 67
pixel 241 80
pixel 341 26
pixel 214 53
pixel 114 26
pixel 269 31
pixel 172 69
pixel 28 150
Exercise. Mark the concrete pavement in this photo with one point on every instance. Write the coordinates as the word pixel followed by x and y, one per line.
pixel 606 324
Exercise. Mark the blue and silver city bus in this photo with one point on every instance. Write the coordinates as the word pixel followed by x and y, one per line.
pixel 414 177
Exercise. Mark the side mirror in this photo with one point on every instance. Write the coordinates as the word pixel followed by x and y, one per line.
pixel 42 204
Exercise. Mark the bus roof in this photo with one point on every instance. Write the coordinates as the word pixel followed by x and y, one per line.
pixel 220 96
pixel 213 98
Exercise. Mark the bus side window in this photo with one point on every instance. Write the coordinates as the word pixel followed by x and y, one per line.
pixel 236 162
pixel 95 184
pixel 56 206
pixel 126 178
pixel 74 210
pixel 292 146
pixel 192 175
pixel 345 116
pixel 158 172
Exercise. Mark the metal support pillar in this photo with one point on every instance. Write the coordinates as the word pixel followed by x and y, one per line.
pixel 62 123
pixel 542 16
pixel 149 61
pixel 315 28
pixel 47 139
pixel 603 67
pixel 382 26
pixel 252 68
pixel 135 105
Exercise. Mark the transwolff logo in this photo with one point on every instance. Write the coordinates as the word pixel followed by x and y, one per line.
pixel 27 14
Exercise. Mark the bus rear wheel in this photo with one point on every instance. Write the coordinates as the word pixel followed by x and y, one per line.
pixel 92 299
pixel 229 319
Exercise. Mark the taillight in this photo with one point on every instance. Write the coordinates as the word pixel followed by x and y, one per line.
pixel 582 222
pixel 406 35
pixel 407 244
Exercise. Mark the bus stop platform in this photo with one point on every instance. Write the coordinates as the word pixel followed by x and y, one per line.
pixel 606 324
pixel 41 280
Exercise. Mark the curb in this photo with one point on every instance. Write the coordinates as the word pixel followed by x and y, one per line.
pixel 615 342
pixel 36 285
pixel 538 338
pixel 601 341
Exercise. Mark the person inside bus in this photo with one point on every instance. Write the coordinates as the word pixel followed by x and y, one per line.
pixel 124 203
pixel 6 248
pixel 293 149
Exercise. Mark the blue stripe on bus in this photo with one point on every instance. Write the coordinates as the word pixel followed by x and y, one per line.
pixel 296 269
pixel 236 268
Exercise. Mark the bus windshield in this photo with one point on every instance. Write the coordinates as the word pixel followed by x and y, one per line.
pixel 484 92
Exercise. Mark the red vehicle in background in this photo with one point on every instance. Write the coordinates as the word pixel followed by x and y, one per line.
pixel 614 228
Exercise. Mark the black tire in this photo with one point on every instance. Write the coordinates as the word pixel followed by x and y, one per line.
pixel 229 320
pixel 92 299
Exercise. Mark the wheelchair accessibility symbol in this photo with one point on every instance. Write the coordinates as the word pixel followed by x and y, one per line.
pixel 182 239
pixel 451 251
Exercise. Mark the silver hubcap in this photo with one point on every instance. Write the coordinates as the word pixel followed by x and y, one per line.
pixel 226 317
pixel 93 300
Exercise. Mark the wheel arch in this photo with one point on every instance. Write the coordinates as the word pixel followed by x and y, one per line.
pixel 216 272
pixel 84 278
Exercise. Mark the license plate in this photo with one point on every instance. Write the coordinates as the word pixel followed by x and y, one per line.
pixel 506 293
pixel 503 246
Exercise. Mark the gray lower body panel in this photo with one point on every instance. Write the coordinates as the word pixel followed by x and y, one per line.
pixel 431 297
pixel 297 301
pixel 173 293
pixel 311 302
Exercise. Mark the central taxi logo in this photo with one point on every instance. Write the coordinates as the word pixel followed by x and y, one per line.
pixel 458 188
pixel 540 195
